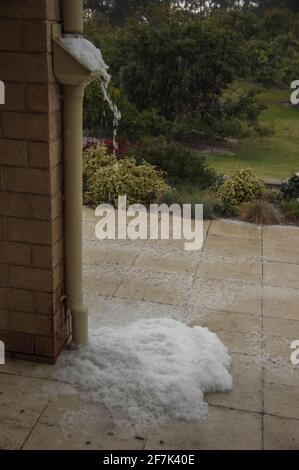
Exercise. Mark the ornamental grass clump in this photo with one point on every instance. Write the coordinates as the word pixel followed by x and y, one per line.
pixel 242 186
pixel 260 212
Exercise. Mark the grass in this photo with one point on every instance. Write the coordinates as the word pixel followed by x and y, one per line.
pixel 275 156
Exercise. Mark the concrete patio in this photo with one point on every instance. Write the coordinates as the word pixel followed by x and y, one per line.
pixel 244 286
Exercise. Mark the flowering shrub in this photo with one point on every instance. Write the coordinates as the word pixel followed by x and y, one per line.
pixel 242 186
pixel 122 146
pixel 106 177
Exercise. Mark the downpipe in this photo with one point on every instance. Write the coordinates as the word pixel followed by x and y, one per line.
pixel 73 143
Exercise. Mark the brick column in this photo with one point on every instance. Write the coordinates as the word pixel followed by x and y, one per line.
pixel 33 322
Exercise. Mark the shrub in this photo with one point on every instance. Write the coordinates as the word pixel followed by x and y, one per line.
pixel 226 209
pixel 291 210
pixel 182 164
pixel 105 177
pixel 122 146
pixel 242 186
pixel 189 194
pixel 192 195
pixel 260 212
pixel 290 189
pixel 274 196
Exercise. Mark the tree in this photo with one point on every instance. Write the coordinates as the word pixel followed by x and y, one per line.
pixel 117 11
pixel 175 67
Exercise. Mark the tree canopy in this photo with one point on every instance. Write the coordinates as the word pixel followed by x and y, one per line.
pixel 173 62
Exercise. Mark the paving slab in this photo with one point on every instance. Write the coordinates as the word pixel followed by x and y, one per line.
pixel 281 253
pixel 247 391
pixel 281 400
pixel 230 296
pixel 284 235
pixel 68 423
pixel 165 263
pixel 281 274
pixel 281 433
pixel 232 246
pixel 223 429
pixel 281 302
pixel 226 268
pixel 235 229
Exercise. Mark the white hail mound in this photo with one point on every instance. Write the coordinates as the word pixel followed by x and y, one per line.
pixel 149 372
pixel 86 53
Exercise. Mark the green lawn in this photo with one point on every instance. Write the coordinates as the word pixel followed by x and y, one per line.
pixel 275 156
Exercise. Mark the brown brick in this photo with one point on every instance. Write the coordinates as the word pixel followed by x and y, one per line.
pixel 57 298
pixel 38 280
pixel 57 276
pixel 55 97
pixel 4 275
pixel 57 205
pixel 29 231
pixel 18 254
pixel 26 180
pixel 14 97
pixel 43 98
pixel 37 98
pixel 17 342
pixel 41 207
pixel 53 10
pixel 43 155
pixel 26 323
pixel 57 229
pixel 55 126
pixel 33 358
pixel 10 35
pixel 32 302
pixel 4 298
pixel 56 179
pixel 13 153
pixel 26 126
pixel 61 339
pixel 42 257
pixel 2 229
pixel 58 321
pixel 57 255
pixel 29 9
pixel 37 36
pixel 21 67
pixel 14 205
pixel 44 346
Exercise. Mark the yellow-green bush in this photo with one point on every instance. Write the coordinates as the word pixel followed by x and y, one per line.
pixel 106 177
pixel 242 186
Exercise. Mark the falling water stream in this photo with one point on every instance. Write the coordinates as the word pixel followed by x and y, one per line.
pixel 91 58
pixel 104 84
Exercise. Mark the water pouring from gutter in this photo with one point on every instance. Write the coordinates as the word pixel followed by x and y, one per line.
pixel 91 57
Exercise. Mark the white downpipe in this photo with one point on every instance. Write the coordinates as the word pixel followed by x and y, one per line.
pixel 73 130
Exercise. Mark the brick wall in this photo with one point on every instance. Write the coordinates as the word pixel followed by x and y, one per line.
pixel 33 323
